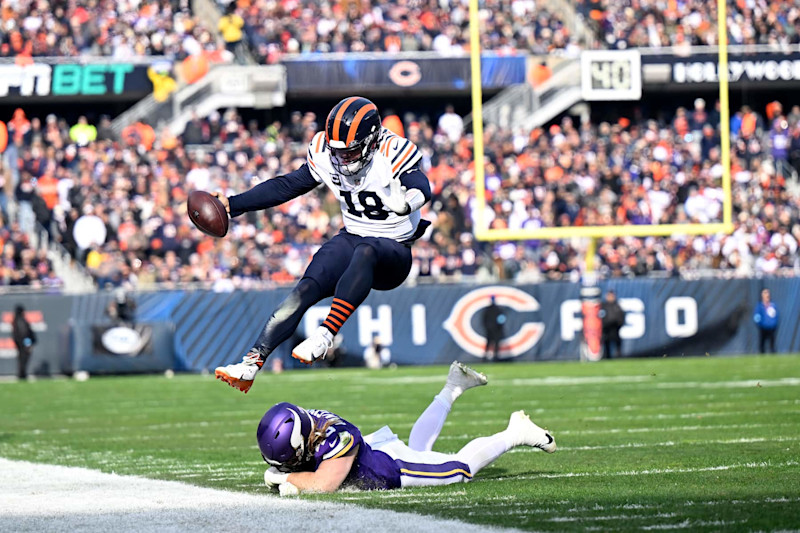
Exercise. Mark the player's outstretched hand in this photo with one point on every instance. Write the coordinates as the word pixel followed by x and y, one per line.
pixel 224 199
pixel 393 196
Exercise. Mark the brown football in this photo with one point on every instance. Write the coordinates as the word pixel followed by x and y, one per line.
pixel 207 213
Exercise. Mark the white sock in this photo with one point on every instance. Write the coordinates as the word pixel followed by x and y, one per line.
pixel 450 394
pixel 429 424
pixel 484 451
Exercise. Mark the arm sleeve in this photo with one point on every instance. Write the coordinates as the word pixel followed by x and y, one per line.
pixel 274 192
pixel 418 187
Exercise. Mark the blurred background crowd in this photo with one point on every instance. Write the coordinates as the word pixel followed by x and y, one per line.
pixel 121 29
pixel 270 29
pixel 118 204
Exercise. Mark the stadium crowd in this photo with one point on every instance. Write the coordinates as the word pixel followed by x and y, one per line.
pixel 303 27
pixel 123 30
pixel 118 205
pixel 129 29
pixel 646 23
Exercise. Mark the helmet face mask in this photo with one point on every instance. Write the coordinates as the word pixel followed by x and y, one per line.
pixel 282 435
pixel 352 132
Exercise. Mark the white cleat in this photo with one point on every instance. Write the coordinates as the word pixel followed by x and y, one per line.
pixel 240 375
pixel 525 432
pixel 315 347
pixel 463 377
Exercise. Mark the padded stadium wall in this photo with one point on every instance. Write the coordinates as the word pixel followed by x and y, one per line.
pixel 427 324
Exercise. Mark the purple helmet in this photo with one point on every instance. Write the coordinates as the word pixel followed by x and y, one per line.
pixel 282 434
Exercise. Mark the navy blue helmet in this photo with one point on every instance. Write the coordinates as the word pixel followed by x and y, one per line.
pixel 352 132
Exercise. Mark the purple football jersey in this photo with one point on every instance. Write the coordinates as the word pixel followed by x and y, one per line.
pixel 372 470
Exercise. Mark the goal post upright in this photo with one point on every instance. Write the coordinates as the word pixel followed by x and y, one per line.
pixel 484 233
pixel 477 118
pixel 724 113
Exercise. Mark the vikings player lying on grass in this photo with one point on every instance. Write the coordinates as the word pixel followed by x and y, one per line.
pixel 374 175
pixel 317 451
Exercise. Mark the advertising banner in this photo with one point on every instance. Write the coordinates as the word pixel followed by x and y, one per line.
pixel 426 324
pixel 398 74
pixel 758 70
pixel 97 81
pixel 130 341
pixel 122 348
pixel 431 324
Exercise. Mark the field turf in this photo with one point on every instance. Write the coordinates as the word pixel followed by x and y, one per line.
pixel 703 444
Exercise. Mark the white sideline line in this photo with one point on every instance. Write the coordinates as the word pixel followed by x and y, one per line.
pixel 655 471
pixel 740 384
pixel 687 524
pixel 666 444
pixel 556 381
pixel 559 519
pixel 36 497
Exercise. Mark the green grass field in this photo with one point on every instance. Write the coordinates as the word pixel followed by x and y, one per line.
pixel 694 443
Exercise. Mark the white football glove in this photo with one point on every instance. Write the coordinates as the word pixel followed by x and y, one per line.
pixel 274 477
pixel 395 198
pixel 287 489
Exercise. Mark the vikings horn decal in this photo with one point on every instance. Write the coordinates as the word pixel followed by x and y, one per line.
pixel 516 343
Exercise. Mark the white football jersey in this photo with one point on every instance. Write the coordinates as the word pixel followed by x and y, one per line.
pixel 362 209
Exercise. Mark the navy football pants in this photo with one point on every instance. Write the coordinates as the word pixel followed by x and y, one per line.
pixel 347 266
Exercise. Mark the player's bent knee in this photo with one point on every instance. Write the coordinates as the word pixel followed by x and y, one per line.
pixel 364 254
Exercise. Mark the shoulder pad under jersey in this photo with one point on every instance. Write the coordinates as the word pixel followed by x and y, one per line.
pixel 400 153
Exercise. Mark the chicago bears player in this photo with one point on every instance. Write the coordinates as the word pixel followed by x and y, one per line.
pixel 375 176
pixel 318 451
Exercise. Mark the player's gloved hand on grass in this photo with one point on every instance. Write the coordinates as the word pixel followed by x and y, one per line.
pixel 274 478
pixel 395 199
pixel 287 489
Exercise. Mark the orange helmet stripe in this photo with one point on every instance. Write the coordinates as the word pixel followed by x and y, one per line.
pixel 351 135
pixel 337 121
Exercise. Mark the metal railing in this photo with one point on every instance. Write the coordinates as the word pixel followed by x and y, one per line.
pixel 527 107
pixel 74 275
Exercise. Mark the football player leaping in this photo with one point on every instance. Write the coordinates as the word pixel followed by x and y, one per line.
pixel 374 174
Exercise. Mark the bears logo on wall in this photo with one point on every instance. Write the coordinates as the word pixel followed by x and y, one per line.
pixel 459 323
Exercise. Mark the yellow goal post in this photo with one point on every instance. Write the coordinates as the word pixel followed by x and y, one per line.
pixel 483 233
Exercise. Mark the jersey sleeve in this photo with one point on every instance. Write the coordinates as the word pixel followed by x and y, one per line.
pixel 338 443
pixel 274 192
pixel 316 149
pixel 402 155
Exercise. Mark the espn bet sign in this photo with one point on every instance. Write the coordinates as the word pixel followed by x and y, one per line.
pixel 90 80
pixel 43 80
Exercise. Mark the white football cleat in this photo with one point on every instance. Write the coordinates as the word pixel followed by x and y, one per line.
pixel 314 347
pixel 463 377
pixel 241 375
pixel 525 432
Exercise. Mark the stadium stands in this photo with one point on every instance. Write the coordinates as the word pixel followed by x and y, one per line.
pixel 81 182
pixel 274 29
pixel 624 173
pixel 123 30
pixel 624 24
